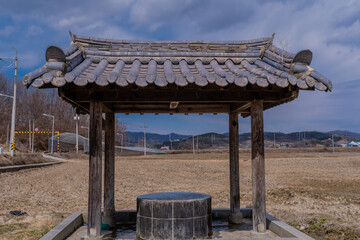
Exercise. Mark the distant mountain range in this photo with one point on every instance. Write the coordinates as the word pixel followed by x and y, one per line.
pixel 154 138
pixel 211 139
pixel 346 133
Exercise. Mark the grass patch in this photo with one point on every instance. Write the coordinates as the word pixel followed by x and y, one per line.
pixel 11 228
pixel 33 234
pixel 23 231
pixel 319 228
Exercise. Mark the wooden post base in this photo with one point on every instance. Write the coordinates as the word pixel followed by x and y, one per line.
pixel 235 218
pixel 109 218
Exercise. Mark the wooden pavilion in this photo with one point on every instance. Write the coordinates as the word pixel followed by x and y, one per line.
pixel 235 77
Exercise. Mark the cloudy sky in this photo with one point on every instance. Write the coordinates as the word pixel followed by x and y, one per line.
pixel 329 28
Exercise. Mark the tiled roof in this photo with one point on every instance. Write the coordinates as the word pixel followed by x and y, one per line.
pixel 143 63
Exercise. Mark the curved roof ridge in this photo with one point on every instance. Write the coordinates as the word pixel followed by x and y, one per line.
pixel 106 41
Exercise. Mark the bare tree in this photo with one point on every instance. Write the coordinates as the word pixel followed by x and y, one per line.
pixel 31 104
pixel 283 44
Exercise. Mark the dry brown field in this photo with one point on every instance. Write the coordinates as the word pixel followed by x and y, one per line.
pixel 315 191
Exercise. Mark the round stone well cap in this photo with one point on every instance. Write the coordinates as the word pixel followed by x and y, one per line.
pixel 174 215
pixel 174 196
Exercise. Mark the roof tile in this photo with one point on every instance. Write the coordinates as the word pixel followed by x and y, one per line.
pixel 142 63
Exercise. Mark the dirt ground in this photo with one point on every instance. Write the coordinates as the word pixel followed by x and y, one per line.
pixel 22 158
pixel 316 192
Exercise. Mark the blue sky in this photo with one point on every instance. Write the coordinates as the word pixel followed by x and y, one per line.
pixel 329 28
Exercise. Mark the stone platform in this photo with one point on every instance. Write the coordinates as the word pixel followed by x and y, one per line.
pixel 73 228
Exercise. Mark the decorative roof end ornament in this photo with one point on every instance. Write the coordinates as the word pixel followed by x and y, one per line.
pixel 304 56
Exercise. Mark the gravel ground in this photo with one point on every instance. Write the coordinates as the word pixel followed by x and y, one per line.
pixel 317 192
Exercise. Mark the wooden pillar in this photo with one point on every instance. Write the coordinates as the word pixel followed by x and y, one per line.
pixel 258 167
pixel 109 207
pixel 95 170
pixel 235 214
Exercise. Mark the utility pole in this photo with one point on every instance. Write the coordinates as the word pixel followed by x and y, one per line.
pixel 193 144
pixel 346 137
pixel 12 131
pixel 76 118
pixel 197 143
pixel 33 137
pixel 332 136
pixel 145 140
pixel 170 141
pixel 122 140
pixel 304 139
pixel 274 140
pixel 52 133
pixel 12 135
pixel 7 134
pixel 88 136
pixel 13 113
pixel 30 135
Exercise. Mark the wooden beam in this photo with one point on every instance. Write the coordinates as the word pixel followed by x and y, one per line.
pixel 168 94
pixel 95 170
pixel 164 108
pixel 109 172
pixel 118 99
pixel 64 96
pixel 107 107
pixel 173 105
pixel 235 214
pixel 200 108
pixel 243 107
pixel 258 167
pixel 267 104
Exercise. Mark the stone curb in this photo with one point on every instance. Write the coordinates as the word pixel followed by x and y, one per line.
pixel 65 228
pixel 13 168
pixel 74 221
pixel 26 166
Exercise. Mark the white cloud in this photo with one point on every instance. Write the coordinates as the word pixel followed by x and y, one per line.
pixel 30 59
pixel 154 14
pixel 329 28
pixel 35 30
pixel 70 21
pixel 305 26
pixel 114 32
pixel 7 31
pixel 349 35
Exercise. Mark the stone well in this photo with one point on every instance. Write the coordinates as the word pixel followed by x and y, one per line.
pixel 173 215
